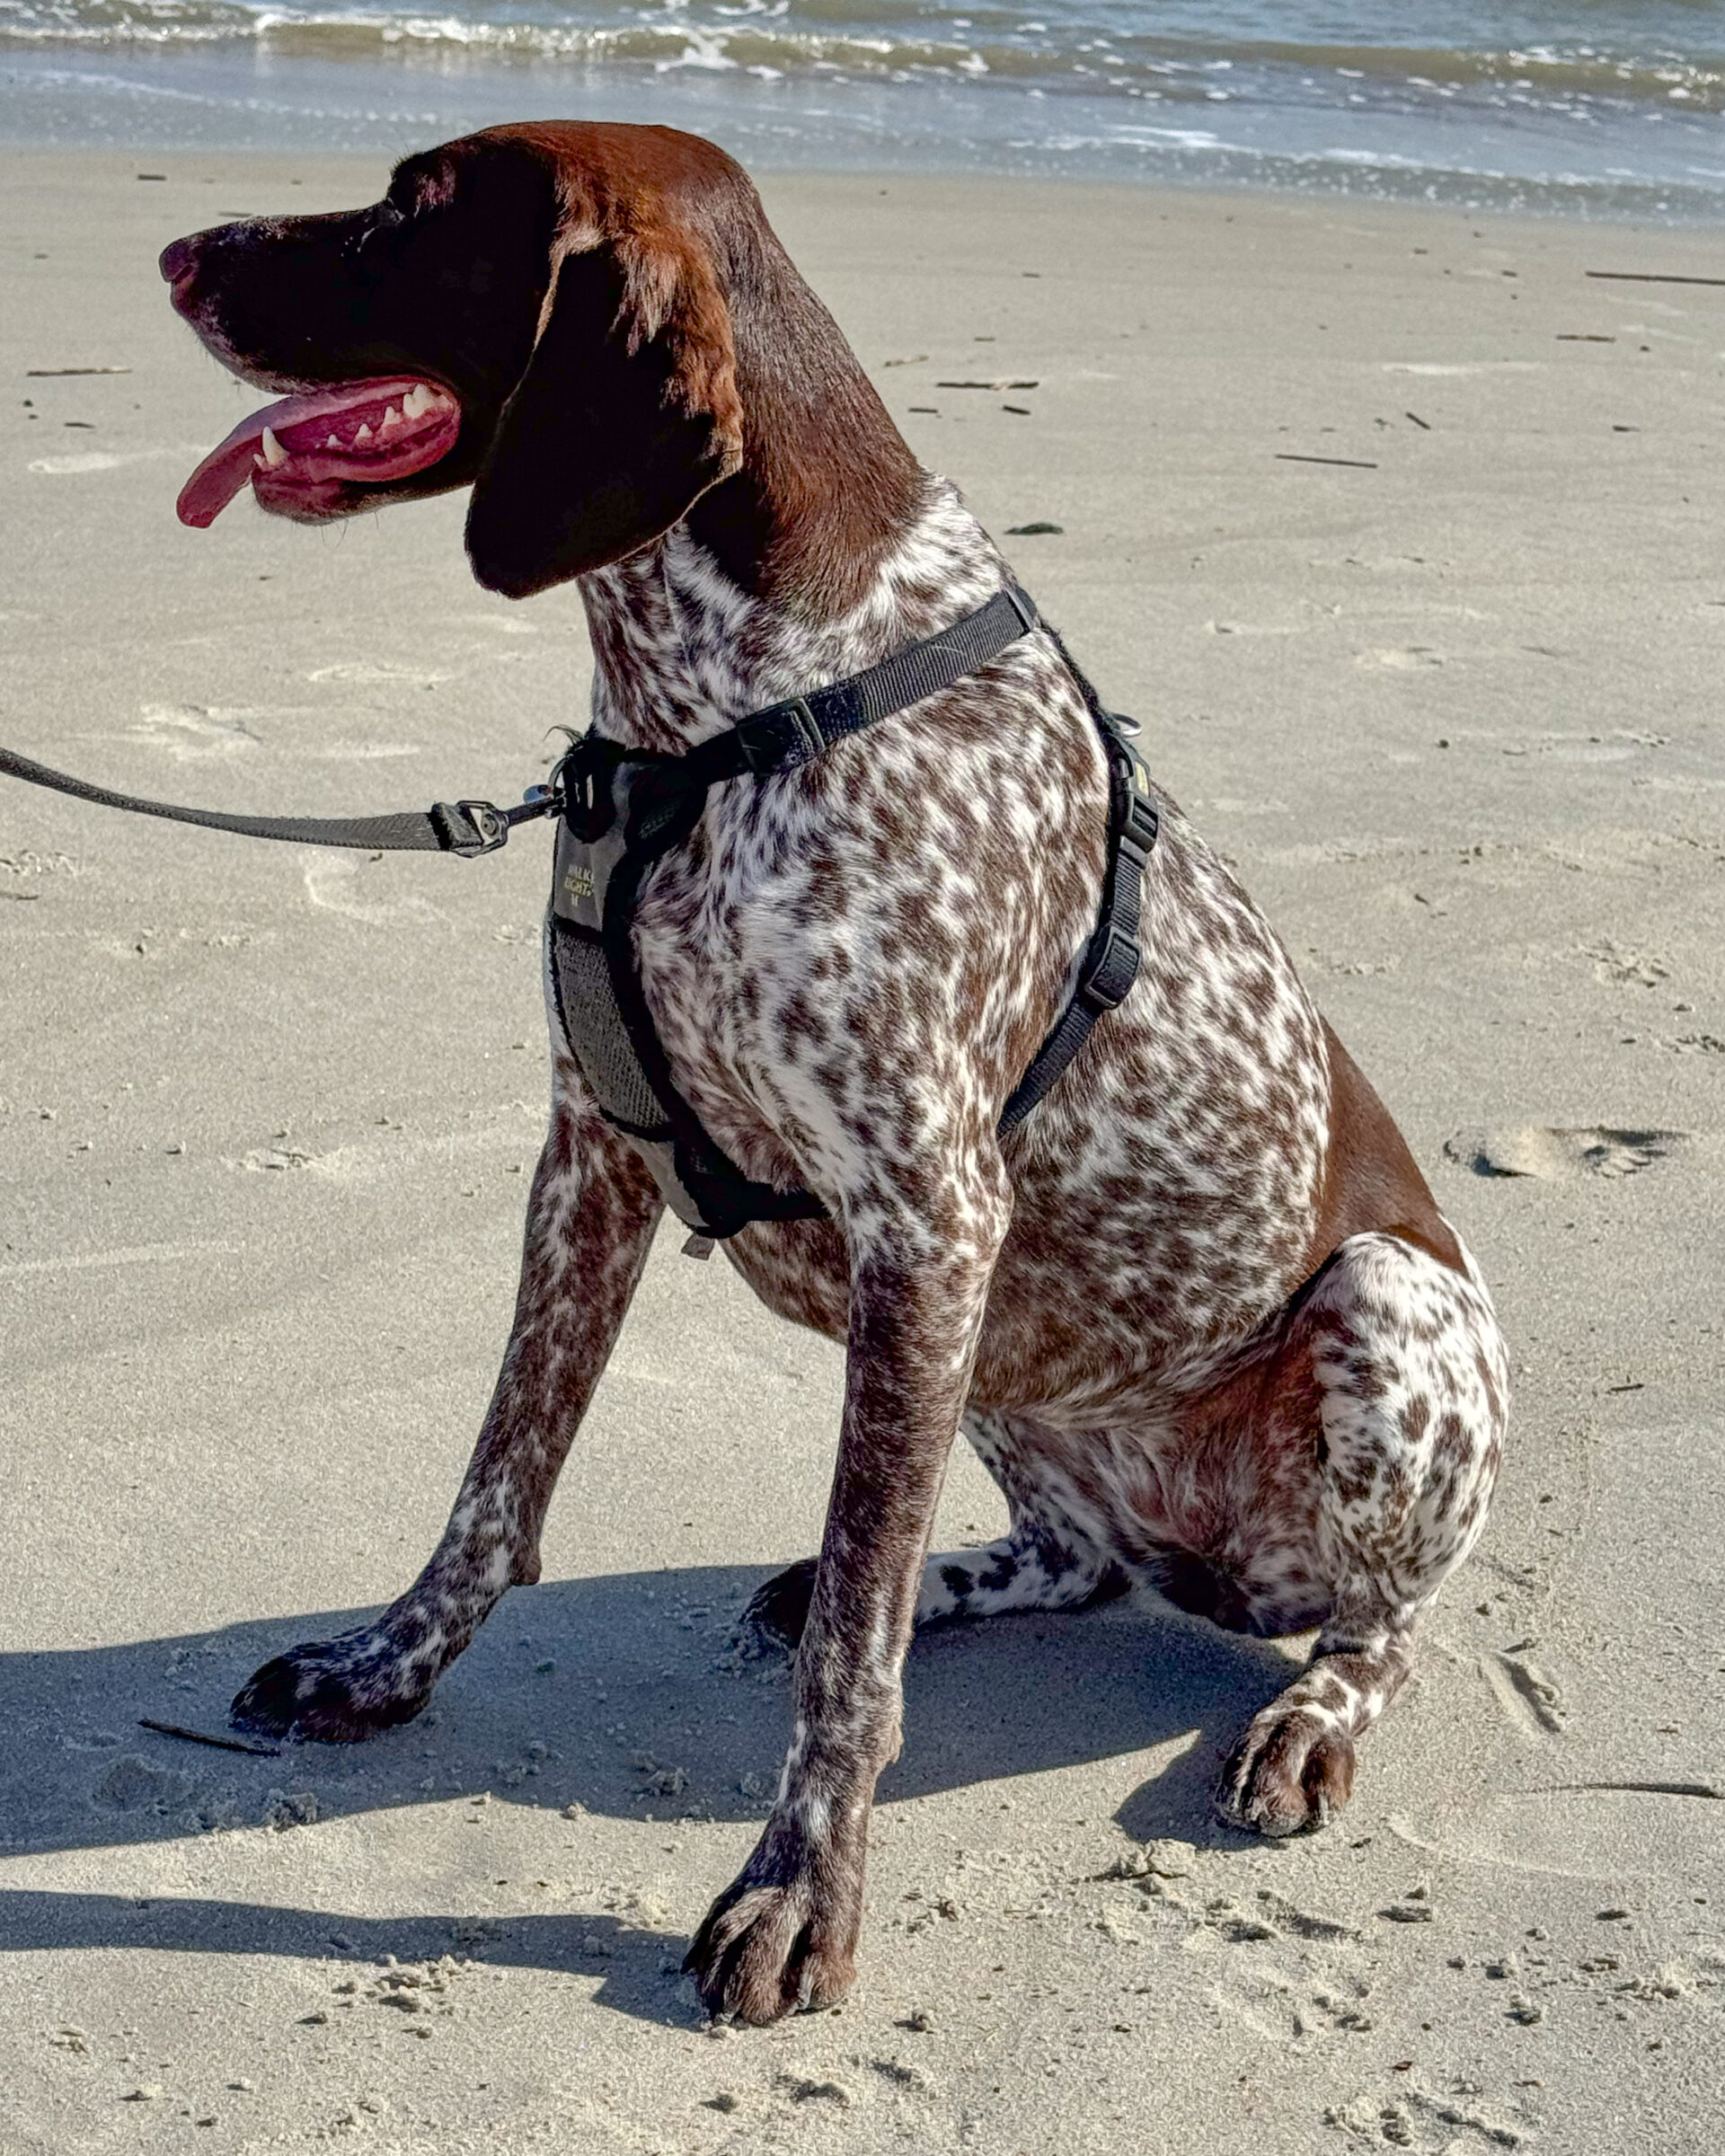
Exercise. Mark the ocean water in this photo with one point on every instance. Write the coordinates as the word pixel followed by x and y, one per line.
pixel 1597 107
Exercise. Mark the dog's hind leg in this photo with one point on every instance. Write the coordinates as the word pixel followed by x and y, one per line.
pixel 1402 1356
pixel 1041 1563
pixel 590 1222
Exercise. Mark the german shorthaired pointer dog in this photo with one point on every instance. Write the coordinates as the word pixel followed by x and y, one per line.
pixel 1199 1315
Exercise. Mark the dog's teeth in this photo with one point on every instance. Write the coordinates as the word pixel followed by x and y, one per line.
pixel 417 399
pixel 392 417
pixel 274 453
pixel 333 441
pixel 259 461
pixel 364 435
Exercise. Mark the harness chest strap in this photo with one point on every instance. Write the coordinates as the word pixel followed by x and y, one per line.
pixel 622 810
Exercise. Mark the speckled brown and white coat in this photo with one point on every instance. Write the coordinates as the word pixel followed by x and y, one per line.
pixel 1199 1316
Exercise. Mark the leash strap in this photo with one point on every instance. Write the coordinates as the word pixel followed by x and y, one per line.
pixel 465 828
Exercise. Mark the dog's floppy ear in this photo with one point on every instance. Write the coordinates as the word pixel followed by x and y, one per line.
pixel 627 412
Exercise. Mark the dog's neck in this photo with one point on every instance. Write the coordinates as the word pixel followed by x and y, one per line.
pixel 829 550
pixel 682 649
pixel 828 487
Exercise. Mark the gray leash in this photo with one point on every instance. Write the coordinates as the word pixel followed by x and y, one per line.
pixel 467 828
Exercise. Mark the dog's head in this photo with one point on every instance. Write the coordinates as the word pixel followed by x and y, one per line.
pixel 540 312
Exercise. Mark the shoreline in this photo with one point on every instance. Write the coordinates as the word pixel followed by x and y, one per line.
pixel 245 100
pixel 1687 238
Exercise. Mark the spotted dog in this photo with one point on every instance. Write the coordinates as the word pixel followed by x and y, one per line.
pixel 1199 1315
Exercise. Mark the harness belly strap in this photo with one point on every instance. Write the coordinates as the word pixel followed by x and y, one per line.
pixel 624 809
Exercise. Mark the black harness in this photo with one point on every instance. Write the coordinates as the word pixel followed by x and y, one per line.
pixel 624 809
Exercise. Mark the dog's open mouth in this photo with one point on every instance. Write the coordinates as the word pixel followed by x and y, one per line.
pixel 300 453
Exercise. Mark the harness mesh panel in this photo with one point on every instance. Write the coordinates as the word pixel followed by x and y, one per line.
pixel 594 1028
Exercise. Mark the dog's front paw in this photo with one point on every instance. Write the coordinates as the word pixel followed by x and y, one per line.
pixel 333 1692
pixel 782 1939
pixel 1291 1772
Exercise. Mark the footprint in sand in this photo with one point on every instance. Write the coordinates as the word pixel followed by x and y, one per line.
pixel 1531 1704
pixel 367 672
pixel 190 732
pixel 1608 1834
pixel 339 885
pixel 1555 1155
pixel 1618 965
pixel 1408 2115
pixel 1410 658
pixel 102 460
pixel 363 752
pixel 1477 367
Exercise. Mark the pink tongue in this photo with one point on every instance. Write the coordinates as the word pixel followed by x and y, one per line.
pixel 227 467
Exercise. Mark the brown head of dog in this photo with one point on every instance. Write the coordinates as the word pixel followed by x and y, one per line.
pixel 593 326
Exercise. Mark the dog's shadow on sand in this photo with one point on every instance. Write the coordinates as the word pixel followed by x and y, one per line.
pixel 625 1696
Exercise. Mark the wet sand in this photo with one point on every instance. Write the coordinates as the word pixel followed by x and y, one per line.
pixel 266 1116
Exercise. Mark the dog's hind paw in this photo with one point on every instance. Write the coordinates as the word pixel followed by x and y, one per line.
pixel 329 1691
pixel 777 1611
pixel 1291 1772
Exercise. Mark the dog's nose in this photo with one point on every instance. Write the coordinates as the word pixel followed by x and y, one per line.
pixel 179 262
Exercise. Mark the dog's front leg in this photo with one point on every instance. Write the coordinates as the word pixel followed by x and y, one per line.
pixel 591 1220
pixel 783 1934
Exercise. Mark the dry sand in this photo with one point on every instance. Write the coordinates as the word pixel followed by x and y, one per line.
pixel 265 1122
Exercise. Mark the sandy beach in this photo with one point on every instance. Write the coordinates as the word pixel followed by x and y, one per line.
pixel 1400 531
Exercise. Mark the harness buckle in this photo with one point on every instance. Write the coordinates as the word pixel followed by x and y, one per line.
pixel 582 782
pixel 808 726
pixel 1142 823
pixel 1022 606
pixel 1108 981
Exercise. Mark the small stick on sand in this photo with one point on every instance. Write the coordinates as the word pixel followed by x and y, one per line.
pixel 1424 425
pixel 999 384
pixel 201 1736
pixel 1645 1789
pixel 1355 464
pixel 1650 277
pixel 42 373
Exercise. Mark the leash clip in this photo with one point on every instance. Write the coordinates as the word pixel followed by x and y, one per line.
pixel 486 828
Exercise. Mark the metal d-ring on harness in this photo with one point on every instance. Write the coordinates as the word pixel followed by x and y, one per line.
pixel 622 809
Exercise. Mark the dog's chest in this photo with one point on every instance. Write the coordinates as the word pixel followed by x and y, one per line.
pixel 1165 1192
pixel 862 955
